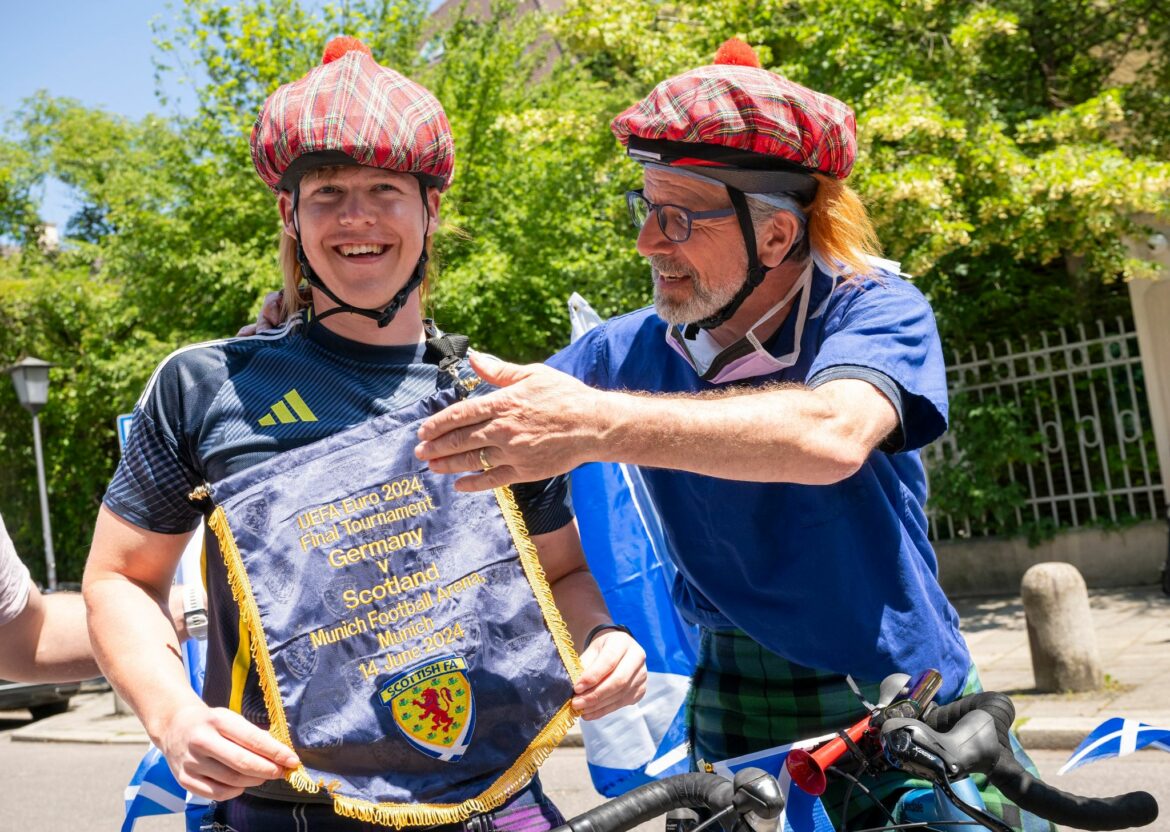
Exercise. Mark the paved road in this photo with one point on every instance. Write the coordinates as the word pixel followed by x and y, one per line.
pixel 51 787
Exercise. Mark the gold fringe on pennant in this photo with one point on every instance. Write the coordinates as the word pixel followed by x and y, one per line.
pixel 506 785
pixel 237 576
pixel 530 560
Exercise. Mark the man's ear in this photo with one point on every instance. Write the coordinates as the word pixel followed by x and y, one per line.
pixel 775 237
pixel 284 203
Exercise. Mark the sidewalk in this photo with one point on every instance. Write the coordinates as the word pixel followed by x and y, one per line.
pixel 1133 641
pixel 1133 637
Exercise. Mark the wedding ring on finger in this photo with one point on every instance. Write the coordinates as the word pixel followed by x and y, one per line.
pixel 483 460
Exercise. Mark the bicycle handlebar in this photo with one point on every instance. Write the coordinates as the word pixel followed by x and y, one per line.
pixel 947 755
pixel 1036 796
pixel 753 793
pixel 685 791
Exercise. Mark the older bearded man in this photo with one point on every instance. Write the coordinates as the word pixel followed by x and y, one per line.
pixel 775 396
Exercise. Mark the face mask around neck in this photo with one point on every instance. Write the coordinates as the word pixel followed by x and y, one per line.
pixel 747 357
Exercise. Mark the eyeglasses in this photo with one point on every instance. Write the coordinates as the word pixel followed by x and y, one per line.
pixel 674 220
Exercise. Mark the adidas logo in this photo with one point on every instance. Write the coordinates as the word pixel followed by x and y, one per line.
pixel 291 408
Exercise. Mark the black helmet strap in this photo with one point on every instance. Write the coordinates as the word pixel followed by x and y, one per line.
pixel 384 315
pixel 755 271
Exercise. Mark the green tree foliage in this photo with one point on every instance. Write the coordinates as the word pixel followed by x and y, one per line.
pixel 1005 150
pixel 19 175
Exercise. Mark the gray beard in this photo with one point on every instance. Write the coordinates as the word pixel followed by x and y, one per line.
pixel 702 303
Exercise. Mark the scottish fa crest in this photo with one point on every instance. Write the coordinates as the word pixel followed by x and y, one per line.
pixel 433 707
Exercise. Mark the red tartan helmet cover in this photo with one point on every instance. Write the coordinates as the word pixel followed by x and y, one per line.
pixel 755 118
pixel 352 108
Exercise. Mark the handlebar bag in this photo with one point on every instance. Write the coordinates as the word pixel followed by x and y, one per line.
pixel 418 665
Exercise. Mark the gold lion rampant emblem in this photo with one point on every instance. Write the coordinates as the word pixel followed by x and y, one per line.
pixel 433 707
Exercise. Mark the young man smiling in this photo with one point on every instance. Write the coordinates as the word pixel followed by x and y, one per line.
pixel 358 207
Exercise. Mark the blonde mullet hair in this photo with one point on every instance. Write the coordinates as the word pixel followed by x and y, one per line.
pixel 839 229
pixel 293 300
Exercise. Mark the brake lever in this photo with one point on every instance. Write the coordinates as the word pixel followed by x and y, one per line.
pixel 980 815
pixel 757 796
pixel 757 793
pixel 903 752
pixel 971 746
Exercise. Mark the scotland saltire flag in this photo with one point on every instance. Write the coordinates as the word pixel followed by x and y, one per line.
pixel 153 789
pixel 626 551
pixel 802 811
pixel 1117 737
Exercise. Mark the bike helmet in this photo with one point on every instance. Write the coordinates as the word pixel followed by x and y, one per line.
pixel 747 128
pixel 352 111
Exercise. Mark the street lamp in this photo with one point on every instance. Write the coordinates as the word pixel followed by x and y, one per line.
pixel 31 378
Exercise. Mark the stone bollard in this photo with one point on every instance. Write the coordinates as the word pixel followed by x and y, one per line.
pixel 1060 629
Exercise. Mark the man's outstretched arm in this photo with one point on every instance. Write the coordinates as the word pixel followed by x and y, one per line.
pixel 544 422
pixel 48 641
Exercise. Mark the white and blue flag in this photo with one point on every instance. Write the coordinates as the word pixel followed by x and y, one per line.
pixel 624 545
pixel 153 790
pixel 1117 737
pixel 803 812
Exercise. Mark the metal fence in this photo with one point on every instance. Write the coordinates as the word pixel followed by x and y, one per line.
pixel 1083 405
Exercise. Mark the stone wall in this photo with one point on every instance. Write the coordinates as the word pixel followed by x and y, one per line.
pixel 990 566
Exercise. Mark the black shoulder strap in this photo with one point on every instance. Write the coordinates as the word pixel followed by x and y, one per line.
pixel 451 350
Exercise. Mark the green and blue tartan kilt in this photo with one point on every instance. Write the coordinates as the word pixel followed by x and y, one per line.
pixel 745 699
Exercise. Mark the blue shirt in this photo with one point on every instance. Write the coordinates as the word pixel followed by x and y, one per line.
pixel 837 577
